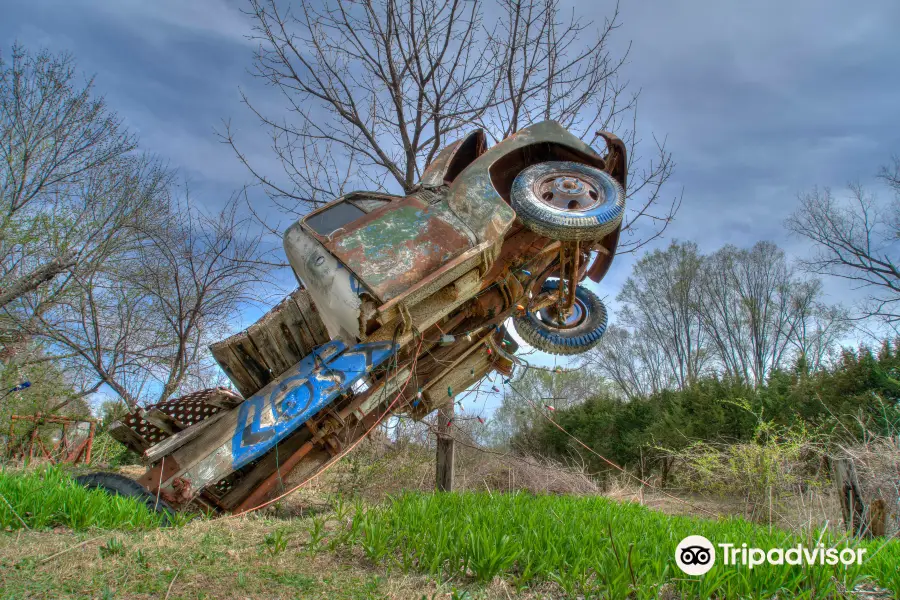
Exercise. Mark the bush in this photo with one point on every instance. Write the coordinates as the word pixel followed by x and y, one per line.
pixel 110 452
pixel 775 463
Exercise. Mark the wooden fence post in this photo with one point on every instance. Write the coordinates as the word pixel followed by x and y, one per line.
pixel 445 450
pixel 852 504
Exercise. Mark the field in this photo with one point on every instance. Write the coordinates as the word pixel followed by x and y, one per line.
pixel 467 545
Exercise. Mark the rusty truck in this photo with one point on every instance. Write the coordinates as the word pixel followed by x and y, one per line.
pixel 403 302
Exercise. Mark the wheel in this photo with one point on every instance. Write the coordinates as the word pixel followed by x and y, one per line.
pixel 568 201
pixel 575 333
pixel 120 485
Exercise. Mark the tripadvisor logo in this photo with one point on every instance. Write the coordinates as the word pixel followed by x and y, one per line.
pixel 695 555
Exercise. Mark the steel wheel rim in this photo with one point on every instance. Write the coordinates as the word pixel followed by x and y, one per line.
pixel 569 191
pixel 548 316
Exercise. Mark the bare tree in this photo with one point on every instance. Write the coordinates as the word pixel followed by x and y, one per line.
pixel 377 85
pixel 856 239
pixel 375 88
pixel 542 388
pixel 740 312
pixel 105 268
pixel 552 67
pixel 54 137
pixel 660 300
pixel 755 309
pixel 817 329
pixel 636 364
pixel 140 324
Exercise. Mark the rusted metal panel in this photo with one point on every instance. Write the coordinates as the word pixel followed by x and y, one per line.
pixel 433 282
pixel 333 288
pixel 454 158
pixel 606 250
pixel 431 310
pixel 473 196
pixel 396 249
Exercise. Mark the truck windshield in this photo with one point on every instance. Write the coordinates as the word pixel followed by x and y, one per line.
pixel 333 218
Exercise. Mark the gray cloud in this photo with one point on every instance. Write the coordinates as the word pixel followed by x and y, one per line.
pixel 758 100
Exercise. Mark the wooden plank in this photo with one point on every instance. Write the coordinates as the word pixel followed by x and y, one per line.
pixel 129 437
pixel 243 487
pixel 249 355
pixel 294 330
pixel 172 443
pixel 445 451
pixel 163 421
pixel 435 281
pixel 272 345
pixel 210 457
pixel 852 504
pixel 223 398
pixel 265 344
pixel 311 317
pixel 233 367
pixel 274 326
pixel 432 309
pixel 457 380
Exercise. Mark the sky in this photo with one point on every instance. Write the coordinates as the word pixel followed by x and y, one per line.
pixel 758 101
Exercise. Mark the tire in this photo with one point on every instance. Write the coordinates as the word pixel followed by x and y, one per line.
pixel 592 209
pixel 119 485
pixel 536 328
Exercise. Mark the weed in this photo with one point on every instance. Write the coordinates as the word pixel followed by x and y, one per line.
pixel 341 508
pixel 275 543
pixel 113 547
pixel 180 519
pixel 316 534
pixel 140 558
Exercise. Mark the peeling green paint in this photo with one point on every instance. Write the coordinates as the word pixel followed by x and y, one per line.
pixel 402 246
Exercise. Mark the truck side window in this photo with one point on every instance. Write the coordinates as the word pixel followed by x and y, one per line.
pixel 333 217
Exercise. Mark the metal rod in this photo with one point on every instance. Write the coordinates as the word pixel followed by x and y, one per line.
pixel 573 280
pixel 90 443
pixel 258 495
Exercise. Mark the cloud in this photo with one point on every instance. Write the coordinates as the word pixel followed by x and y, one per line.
pixel 759 101
pixel 163 21
pixel 762 100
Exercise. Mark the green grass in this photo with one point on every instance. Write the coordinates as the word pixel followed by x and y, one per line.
pixel 47 498
pixel 594 547
pixel 422 545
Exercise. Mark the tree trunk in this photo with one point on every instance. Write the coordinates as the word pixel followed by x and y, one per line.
pixel 445 451
pixel 665 470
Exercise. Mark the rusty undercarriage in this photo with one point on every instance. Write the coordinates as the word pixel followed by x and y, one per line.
pixel 402 305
